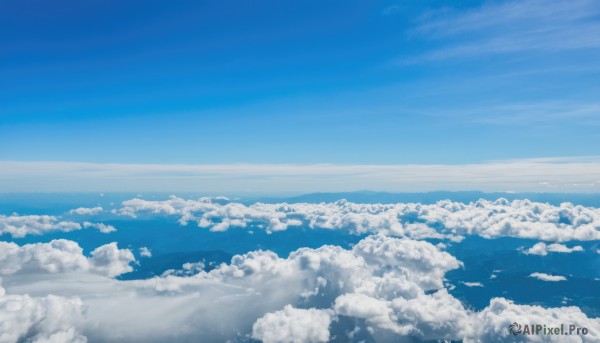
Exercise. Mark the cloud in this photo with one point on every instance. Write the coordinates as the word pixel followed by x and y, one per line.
pixel 491 324
pixel 472 284
pixel 87 211
pixel 566 175
pixel 531 26
pixel 229 301
pixel 104 228
pixel 63 256
pixel 424 261
pixel 489 219
pixel 45 319
pixel 19 226
pixel 428 317
pixel 145 252
pixel 293 325
pixel 187 269
pixel 382 289
pixel 542 249
pixel 547 277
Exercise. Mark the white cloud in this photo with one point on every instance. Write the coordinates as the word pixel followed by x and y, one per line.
pixel 104 228
pixel 424 261
pixel 388 288
pixel 46 319
pixel 187 269
pixel 87 211
pixel 63 256
pixel 227 301
pixel 19 226
pixel 519 218
pixel 293 325
pixel 491 324
pixel 473 284
pixel 558 175
pixel 542 249
pixel 548 277
pixel 489 219
pixel 145 252
pixel 530 26
pixel 111 261
pixel 429 317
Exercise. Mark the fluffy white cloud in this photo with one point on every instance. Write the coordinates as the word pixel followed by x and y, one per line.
pixel 542 249
pixel 19 226
pixel 292 325
pixel 63 256
pixel 46 319
pixel 145 252
pixel 428 317
pixel 491 324
pixel 426 264
pixel 547 277
pixel 226 302
pixel 519 218
pixel 385 288
pixel 86 211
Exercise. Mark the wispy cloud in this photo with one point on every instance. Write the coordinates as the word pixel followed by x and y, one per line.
pixel 572 175
pixel 510 27
pixel 524 113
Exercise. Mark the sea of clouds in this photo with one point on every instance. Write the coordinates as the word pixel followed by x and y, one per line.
pixel 389 287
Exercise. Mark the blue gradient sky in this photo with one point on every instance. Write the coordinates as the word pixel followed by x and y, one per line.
pixel 359 82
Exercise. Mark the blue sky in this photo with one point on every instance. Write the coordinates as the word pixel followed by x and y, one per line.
pixel 342 82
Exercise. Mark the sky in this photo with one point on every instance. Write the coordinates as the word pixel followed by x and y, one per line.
pixel 263 83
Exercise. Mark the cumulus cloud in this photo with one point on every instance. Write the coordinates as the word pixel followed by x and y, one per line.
pixel 489 219
pixel 145 252
pixel 491 324
pixel 86 211
pixel 519 218
pixel 63 256
pixel 425 262
pixel 547 277
pixel 384 288
pixel 45 319
pixel 428 317
pixel 232 301
pixel 542 249
pixel 19 226
pixel 293 325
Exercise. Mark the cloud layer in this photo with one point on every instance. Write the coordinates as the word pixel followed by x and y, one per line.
pixel 489 219
pixel 551 174
pixel 19 226
pixel 382 289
